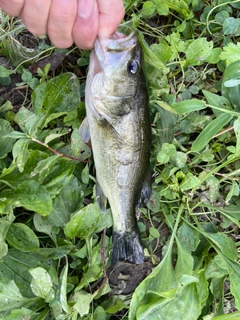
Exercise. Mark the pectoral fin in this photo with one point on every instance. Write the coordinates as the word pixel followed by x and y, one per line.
pixel 84 131
pixel 146 190
pixel 101 198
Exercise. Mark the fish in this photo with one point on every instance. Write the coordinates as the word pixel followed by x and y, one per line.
pixel 118 124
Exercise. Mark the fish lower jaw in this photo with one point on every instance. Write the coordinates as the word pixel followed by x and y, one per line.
pixel 127 247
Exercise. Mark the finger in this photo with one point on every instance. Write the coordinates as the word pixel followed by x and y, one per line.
pixel 111 14
pixel 31 13
pixel 60 22
pixel 86 24
pixel 12 7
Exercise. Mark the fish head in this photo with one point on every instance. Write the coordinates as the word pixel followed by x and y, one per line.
pixel 115 67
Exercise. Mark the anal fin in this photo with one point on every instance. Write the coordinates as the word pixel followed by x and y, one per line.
pixel 101 198
pixel 146 190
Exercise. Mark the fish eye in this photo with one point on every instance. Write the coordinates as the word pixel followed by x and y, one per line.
pixel 133 67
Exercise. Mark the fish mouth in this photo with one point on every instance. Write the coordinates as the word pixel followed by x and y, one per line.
pixel 118 43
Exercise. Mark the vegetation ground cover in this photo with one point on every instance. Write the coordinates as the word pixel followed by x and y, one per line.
pixel 53 261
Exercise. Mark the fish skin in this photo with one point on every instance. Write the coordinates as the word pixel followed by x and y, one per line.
pixel 120 130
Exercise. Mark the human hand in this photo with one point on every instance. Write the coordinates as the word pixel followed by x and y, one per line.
pixel 68 21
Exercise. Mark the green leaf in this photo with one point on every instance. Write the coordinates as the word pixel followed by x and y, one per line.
pixel 190 181
pixel 22 237
pixel 188 106
pixel 4 226
pixel 6 144
pixel 232 316
pixel 85 174
pixel 148 9
pixel 231 53
pixel 4 72
pixel 224 244
pixel 20 153
pixel 179 6
pixel 230 25
pixel 185 304
pixel 210 130
pixel 150 57
pixel 11 297
pixel 55 172
pixel 63 288
pixel 41 284
pixel 217 101
pixel 198 51
pixel 84 222
pixel 33 196
pixel 54 134
pixel 16 265
pixel 56 94
pixel 83 302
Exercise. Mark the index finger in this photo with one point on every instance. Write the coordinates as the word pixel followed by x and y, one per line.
pixel 111 14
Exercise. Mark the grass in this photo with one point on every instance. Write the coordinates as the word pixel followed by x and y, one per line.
pixel 53 261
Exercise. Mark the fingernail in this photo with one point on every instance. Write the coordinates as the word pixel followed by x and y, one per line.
pixel 85 8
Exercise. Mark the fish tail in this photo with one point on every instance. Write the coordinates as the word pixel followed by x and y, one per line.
pixel 127 247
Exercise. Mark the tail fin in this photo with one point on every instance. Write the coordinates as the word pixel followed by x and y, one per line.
pixel 127 247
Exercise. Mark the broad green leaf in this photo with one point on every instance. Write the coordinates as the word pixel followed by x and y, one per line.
pixel 190 181
pixel 99 313
pixel 11 297
pixel 16 265
pixel 185 263
pixel 68 201
pixel 21 313
pixel 56 94
pixel 92 274
pixel 7 106
pixel 232 316
pixel 198 51
pixel 79 149
pixel 6 144
pixel 217 101
pixel 210 130
pixel 188 237
pixel 55 172
pixel 188 106
pixel 230 25
pixel 21 237
pixel 15 135
pixel 41 284
pixel 4 226
pixel 162 279
pixel 114 305
pixel 54 134
pixel 85 174
pixel 224 243
pixel 184 305
pixel 85 222
pixel 83 302
pixel 63 288
pixel 20 153
pixel 4 72
pixel 231 53
pixel 148 8
pixel 150 57
pixel 180 6
pixel 33 196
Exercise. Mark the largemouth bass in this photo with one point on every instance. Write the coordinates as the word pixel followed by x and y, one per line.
pixel 120 131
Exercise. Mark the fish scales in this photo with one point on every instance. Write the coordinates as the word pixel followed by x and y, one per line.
pixel 120 130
